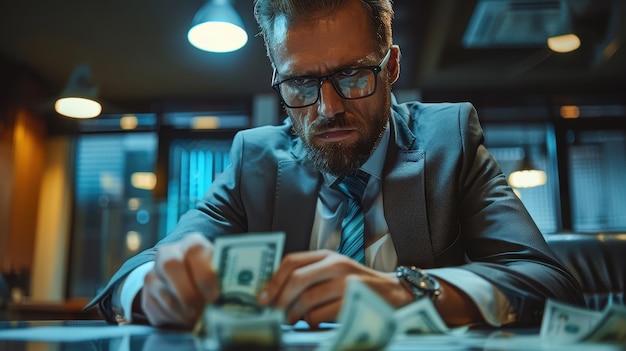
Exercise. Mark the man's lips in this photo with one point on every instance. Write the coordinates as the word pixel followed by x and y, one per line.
pixel 335 135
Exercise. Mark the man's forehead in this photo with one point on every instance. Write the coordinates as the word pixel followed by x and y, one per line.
pixel 299 48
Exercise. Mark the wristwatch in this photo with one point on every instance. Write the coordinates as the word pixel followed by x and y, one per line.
pixel 419 282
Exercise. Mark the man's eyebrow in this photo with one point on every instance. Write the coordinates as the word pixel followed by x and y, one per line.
pixel 363 61
pixel 366 61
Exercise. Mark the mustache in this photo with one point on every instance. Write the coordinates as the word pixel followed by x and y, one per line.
pixel 326 123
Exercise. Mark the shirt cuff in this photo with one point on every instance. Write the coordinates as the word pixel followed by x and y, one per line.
pixel 131 286
pixel 493 305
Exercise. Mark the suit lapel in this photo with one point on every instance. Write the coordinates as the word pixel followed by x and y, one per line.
pixel 296 197
pixel 404 198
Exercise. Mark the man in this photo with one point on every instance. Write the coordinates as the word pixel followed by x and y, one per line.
pixel 434 196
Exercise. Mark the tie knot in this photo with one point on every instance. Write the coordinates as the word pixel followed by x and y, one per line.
pixel 354 185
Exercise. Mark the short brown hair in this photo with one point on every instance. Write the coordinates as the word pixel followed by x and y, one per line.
pixel 267 11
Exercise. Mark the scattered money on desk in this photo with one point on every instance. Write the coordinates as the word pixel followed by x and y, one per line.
pixel 420 317
pixel 244 263
pixel 566 323
pixel 366 321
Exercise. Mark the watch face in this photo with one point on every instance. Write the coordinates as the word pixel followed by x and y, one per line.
pixel 420 280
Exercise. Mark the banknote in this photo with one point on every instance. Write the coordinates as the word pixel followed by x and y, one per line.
pixel 565 323
pixel 420 317
pixel 366 321
pixel 611 328
pixel 244 263
pixel 243 330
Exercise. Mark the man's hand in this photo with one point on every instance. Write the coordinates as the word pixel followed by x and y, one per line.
pixel 182 281
pixel 311 285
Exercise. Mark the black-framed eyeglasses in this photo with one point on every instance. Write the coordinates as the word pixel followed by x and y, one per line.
pixel 349 83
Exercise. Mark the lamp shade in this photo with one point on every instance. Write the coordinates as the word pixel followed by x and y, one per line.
pixel 217 27
pixel 564 40
pixel 78 99
pixel 528 175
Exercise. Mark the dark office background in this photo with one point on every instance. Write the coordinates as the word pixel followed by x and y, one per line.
pixel 566 111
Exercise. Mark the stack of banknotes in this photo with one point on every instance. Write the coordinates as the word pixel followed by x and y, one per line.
pixel 366 321
pixel 244 264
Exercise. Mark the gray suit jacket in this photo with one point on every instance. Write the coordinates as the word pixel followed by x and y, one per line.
pixel 445 198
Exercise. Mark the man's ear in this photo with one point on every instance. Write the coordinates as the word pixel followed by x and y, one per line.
pixel 393 66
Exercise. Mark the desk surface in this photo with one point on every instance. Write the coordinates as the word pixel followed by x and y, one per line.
pixel 98 336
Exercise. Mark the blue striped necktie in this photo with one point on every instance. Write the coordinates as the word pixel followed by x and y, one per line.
pixel 352 226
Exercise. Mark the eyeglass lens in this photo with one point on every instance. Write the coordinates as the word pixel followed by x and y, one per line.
pixel 349 84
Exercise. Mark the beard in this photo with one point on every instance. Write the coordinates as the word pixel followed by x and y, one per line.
pixel 341 159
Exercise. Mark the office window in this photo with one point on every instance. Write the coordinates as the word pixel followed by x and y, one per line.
pixel 193 165
pixel 114 213
pixel 597 170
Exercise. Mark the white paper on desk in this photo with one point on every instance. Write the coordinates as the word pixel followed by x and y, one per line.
pixel 437 342
pixel 504 341
pixel 72 333
pixel 301 334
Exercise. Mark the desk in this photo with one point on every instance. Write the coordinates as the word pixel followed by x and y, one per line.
pixel 42 310
pixel 98 336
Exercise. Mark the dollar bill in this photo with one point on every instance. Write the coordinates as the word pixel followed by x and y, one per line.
pixel 242 330
pixel 244 263
pixel 611 328
pixel 566 323
pixel 563 322
pixel 366 321
pixel 420 317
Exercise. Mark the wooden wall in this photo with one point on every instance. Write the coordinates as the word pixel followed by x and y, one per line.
pixel 22 158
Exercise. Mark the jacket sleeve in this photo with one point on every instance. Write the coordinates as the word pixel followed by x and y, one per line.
pixel 219 212
pixel 502 242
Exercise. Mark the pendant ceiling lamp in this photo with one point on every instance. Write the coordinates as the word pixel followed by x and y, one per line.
pixel 78 99
pixel 217 27
pixel 527 175
pixel 564 39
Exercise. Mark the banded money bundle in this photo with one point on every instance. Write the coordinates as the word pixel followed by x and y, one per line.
pixel 244 264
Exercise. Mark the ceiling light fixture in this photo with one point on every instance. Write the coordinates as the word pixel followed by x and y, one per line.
pixel 528 175
pixel 564 43
pixel 564 40
pixel 78 99
pixel 217 27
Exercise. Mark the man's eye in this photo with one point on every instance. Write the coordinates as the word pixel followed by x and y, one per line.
pixel 303 82
pixel 350 72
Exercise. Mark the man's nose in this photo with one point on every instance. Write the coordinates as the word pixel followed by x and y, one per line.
pixel 331 104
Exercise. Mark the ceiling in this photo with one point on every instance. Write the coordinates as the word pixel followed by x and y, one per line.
pixel 139 53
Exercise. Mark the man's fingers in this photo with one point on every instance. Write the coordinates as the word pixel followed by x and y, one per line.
pixel 202 273
pixel 319 296
pixel 185 271
pixel 327 312
pixel 285 274
pixel 331 268
pixel 158 304
pixel 171 269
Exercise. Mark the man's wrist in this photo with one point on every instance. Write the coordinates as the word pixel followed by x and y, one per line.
pixel 418 282
pixel 130 294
